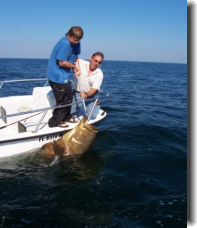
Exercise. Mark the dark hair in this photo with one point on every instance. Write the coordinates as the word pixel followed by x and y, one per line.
pixel 98 53
pixel 75 31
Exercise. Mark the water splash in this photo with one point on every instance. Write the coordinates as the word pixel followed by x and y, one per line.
pixel 55 161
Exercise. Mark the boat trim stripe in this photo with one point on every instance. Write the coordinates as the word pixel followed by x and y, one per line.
pixel 49 135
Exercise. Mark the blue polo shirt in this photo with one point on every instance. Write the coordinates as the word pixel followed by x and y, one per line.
pixel 65 52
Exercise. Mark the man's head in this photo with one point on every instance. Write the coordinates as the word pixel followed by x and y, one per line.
pixel 96 60
pixel 75 34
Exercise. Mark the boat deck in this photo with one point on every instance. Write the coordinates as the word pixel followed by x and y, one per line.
pixel 17 104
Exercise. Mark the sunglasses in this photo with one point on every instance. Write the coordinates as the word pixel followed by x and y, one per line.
pixel 96 61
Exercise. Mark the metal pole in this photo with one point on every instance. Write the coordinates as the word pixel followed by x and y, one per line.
pixel 92 110
pixel 85 109
pixel 40 121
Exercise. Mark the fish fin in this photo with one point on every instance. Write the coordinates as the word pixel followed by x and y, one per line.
pixel 59 150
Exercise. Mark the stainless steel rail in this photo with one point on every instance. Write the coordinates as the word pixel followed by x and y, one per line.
pixel 45 110
pixel 23 80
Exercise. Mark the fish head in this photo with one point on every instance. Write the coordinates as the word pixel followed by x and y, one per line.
pixel 80 138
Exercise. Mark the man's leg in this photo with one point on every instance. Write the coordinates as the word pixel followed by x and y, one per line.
pixel 63 95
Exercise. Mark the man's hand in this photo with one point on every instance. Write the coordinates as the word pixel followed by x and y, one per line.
pixel 77 74
pixel 75 69
pixel 83 95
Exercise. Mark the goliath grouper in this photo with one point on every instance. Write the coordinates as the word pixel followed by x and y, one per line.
pixel 75 141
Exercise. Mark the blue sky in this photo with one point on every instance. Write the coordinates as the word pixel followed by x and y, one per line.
pixel 143 30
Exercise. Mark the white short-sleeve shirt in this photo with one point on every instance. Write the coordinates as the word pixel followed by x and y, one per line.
pixel 94 80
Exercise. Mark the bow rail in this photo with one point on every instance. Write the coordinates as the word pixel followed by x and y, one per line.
pixel 45 110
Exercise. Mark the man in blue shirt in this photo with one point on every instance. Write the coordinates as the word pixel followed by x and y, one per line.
pixel 64 57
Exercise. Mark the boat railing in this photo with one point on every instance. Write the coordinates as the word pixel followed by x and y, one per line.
pixel 45 110
pixel 24 80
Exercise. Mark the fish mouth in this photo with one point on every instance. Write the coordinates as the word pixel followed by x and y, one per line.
pixel 92 128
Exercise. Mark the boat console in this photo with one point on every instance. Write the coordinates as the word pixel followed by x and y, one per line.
pixel 43 97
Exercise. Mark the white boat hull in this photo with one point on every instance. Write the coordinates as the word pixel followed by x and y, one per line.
pixel 24 142
pixel 13 142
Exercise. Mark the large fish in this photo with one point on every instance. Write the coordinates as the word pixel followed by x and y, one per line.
pixel 75 141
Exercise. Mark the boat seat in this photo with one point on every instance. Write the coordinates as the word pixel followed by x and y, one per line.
pixel 43 97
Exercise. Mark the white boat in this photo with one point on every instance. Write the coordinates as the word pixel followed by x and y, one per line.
pixel 24 120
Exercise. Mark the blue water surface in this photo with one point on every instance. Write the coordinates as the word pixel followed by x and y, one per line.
pixel 134 174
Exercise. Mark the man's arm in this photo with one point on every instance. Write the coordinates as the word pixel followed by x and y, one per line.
pixel 68 65
pixel 95 86
pixel 77 73
pixel 91 92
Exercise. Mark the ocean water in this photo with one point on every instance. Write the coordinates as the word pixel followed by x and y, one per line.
pixel 134 174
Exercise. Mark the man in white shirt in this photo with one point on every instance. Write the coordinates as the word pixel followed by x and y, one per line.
pixel 90 78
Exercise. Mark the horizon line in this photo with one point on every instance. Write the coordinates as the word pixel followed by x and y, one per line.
pixel 143 61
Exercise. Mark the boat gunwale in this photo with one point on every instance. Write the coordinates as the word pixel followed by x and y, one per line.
pixel 28 134
pixel 42 109
pixel 40 136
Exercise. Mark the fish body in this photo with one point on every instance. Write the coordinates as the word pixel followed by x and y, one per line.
pixel 75 141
